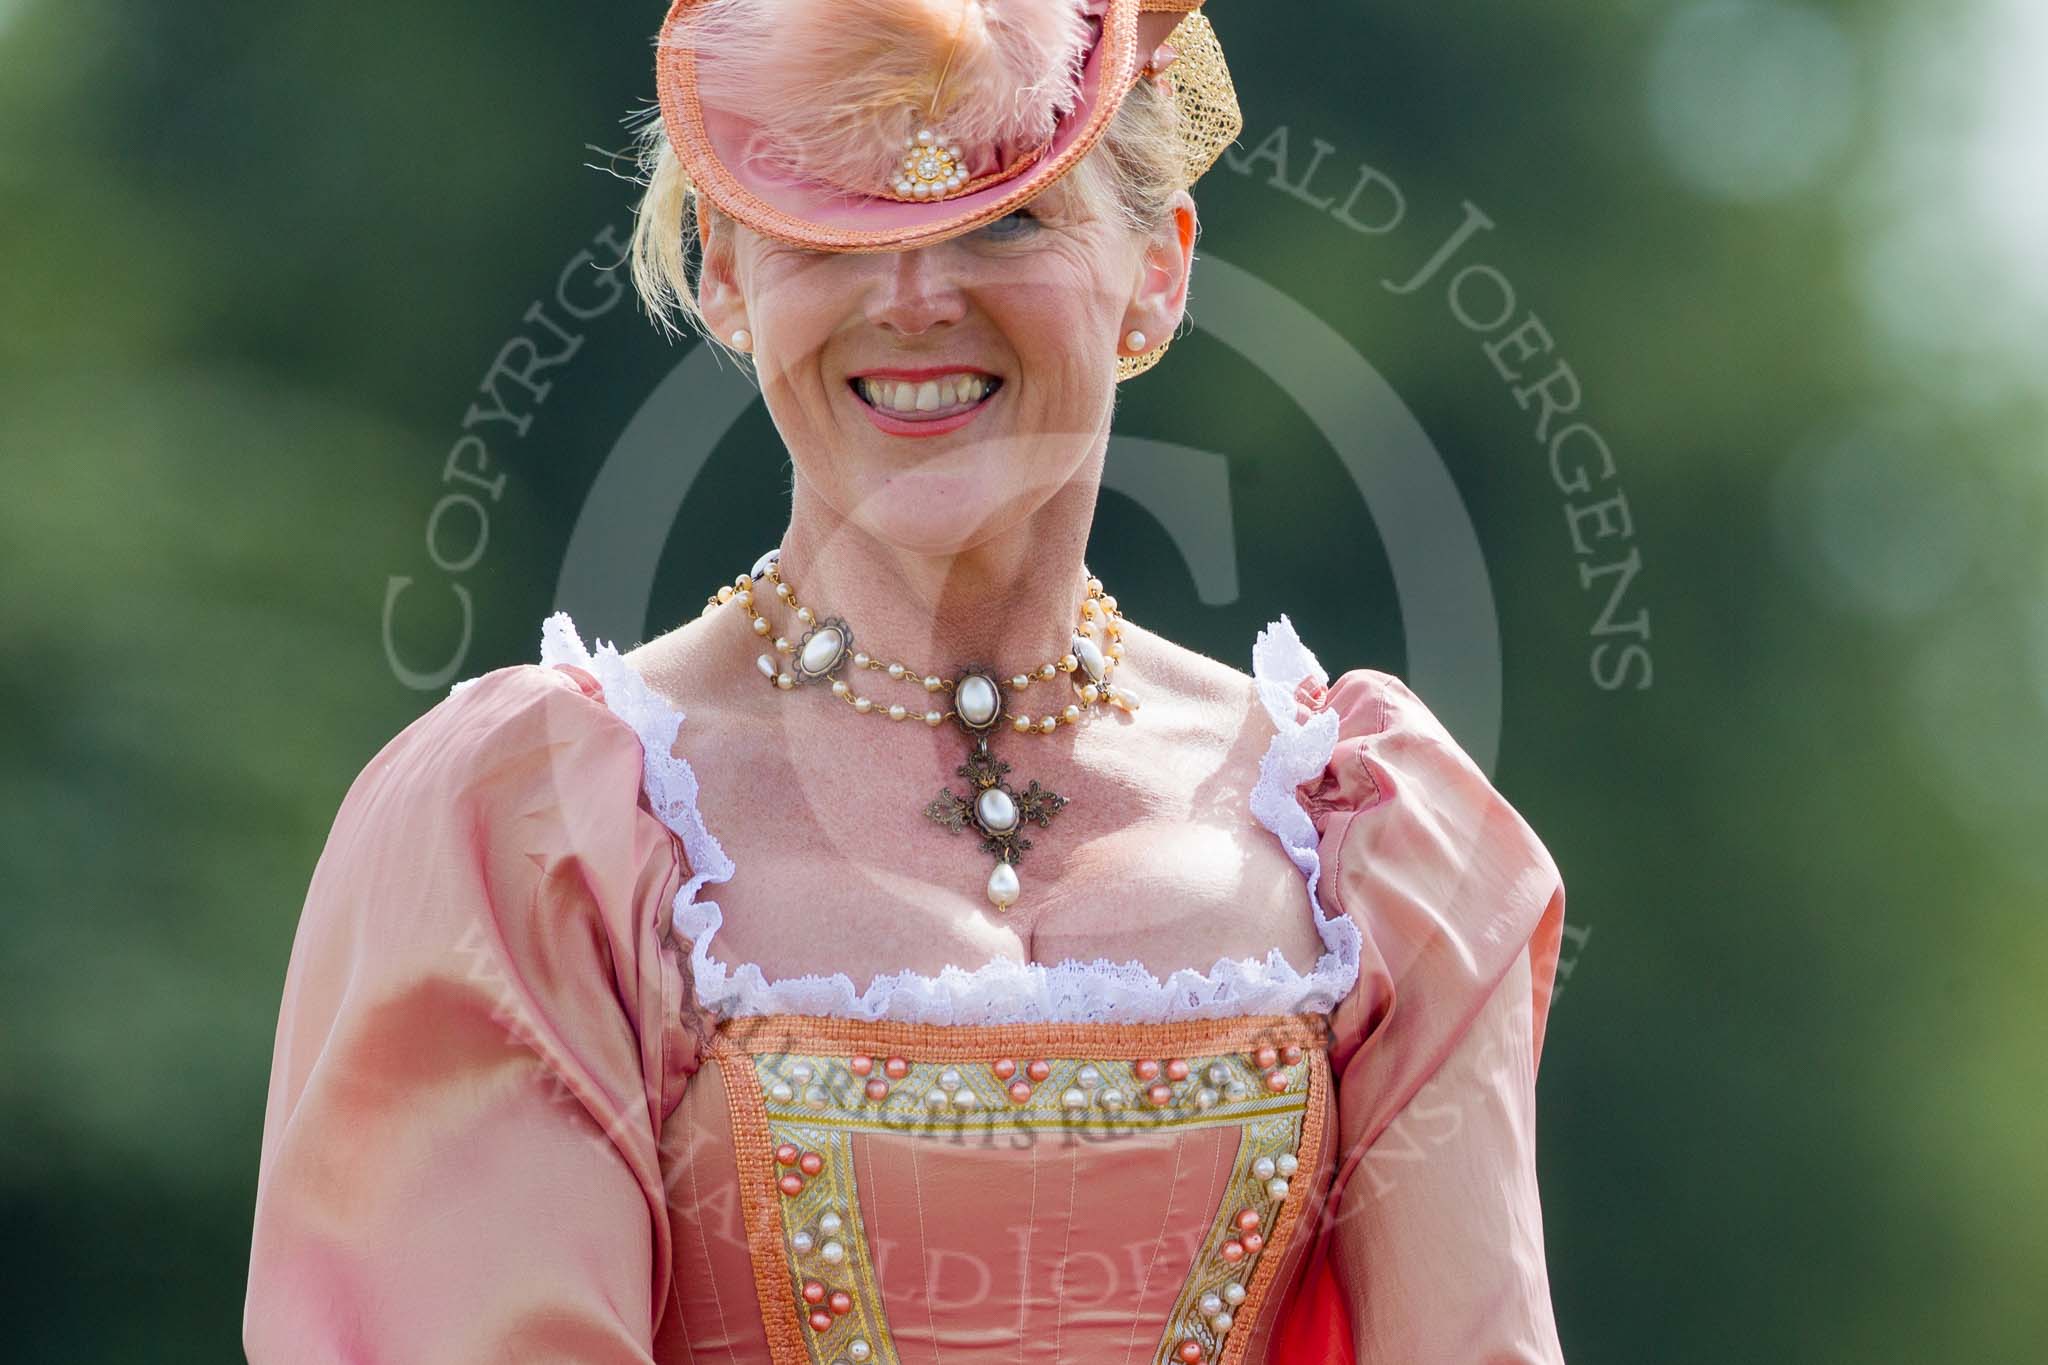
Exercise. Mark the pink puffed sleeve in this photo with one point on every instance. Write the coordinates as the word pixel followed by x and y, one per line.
pixel 1435 1228
pixel 478 1041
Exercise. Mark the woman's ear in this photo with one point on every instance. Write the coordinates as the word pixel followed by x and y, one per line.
pixel 718 291
pixel 1168 259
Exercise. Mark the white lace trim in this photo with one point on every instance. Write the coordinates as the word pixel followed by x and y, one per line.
pixel 1003 991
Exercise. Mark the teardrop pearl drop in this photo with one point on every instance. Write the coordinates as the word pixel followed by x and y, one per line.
pixel 1003 886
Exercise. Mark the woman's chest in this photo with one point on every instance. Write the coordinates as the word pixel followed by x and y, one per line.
pixel 842 864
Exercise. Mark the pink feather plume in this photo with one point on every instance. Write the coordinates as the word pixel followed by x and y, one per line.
pixel 835 86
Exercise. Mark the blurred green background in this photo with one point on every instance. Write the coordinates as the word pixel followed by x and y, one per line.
pixel 260 259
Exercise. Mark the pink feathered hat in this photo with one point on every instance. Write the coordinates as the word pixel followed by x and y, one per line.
pixel 867 125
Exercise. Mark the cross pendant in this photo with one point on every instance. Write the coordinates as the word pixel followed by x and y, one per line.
pixel 998 813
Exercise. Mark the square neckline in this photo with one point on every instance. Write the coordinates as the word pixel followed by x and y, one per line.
pixel 1001 990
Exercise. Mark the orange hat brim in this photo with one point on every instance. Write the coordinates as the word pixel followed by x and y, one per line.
pixel 825 217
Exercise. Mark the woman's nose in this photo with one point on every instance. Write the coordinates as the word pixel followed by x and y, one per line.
pixel 915 292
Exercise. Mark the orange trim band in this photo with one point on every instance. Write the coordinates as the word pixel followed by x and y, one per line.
pixel 1298 1195
pixel 755 1034
pixel 754 1155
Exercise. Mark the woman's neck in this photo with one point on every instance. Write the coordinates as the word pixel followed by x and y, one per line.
pixel 1009 602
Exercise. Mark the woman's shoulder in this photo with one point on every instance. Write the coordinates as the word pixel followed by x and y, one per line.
pixel 504 822
pixel 1359 711
pixel 1285 679
pixel 519 756
pixel 1386 754
pixel 1181 690
pixel 489 725
pixel 703 669
pixel 582 690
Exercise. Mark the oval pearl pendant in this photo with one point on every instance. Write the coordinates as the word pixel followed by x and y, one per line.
pixel 1003 886
pixel 996 811
pixel 822 650
pixel 977 701
pixel 1089 654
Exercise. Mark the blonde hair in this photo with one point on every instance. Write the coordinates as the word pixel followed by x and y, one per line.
pixel 1131 175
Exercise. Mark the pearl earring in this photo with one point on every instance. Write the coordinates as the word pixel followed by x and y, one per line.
pixel 1134 340
pixel 743 340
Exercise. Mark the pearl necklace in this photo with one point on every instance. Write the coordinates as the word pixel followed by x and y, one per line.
pixel 992 809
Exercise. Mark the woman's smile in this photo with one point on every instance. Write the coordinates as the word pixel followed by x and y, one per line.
pixel 923 402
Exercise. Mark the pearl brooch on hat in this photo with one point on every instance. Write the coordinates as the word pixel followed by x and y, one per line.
pixel 932 167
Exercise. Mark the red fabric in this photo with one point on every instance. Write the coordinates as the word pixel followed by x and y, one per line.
pixel 1316 1328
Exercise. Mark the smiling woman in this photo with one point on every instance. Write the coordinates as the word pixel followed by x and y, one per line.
pixel 650 1006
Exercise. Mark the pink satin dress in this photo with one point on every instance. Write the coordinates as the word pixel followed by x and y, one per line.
pixel 521 1109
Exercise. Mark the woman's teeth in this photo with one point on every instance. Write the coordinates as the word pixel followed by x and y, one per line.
pixel 947 391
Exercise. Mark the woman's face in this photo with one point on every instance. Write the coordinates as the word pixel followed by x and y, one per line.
pixel 939 396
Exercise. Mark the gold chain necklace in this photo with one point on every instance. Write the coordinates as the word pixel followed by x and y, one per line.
pixel 991 809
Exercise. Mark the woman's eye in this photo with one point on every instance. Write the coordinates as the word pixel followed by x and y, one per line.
pixel 1014 224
